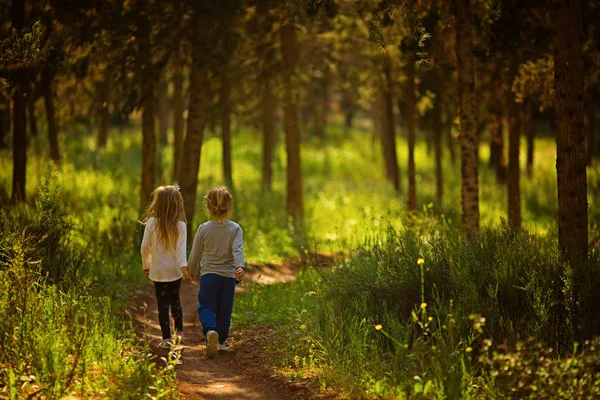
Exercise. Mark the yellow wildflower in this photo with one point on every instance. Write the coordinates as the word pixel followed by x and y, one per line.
pixel 420 261
pixel 378 327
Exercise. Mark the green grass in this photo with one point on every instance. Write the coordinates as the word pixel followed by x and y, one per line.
pixel 326 320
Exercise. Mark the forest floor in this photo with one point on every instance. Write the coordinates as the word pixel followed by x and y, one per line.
pixel 245 372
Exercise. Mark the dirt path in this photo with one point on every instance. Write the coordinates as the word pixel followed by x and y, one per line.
pixel 242 372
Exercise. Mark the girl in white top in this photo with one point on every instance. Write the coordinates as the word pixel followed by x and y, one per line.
pixel 163 255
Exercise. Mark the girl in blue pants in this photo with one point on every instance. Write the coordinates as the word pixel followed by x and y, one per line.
pixel 218 247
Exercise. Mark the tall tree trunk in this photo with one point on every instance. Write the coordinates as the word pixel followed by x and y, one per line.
pixel 4 119
pixel 268 125
pixel 289 54
pixel 47 92
pixel 590 128
pixel 531 131
pixel 192 147
pixel 449 138
pixel 438 132
pixel 322 108
pixel 514 140
pixel 466 99
pixel 570 136
pixel 147 90
pixel 178 109
pixel 31 114
pixel 103 93
pixel 225 117
pixel 411 121
pixel 163 111
pixel 388 133
pixel 497 162
pixel 17 12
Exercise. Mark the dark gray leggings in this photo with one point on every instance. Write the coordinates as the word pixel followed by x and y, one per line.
pixel 167 295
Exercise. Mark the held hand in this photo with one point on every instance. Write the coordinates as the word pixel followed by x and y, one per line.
pixel 187 275
pixel 239 273
pixel 146 272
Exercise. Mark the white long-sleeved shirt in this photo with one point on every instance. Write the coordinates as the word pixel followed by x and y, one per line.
pixel 164 264
pixel 218 246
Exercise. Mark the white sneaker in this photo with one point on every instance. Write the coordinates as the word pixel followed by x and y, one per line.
pixel 165 344
pixel 224 346
pixel 212 341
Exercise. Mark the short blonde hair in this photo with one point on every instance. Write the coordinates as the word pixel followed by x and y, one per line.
pixel 219 201
pixel 167 208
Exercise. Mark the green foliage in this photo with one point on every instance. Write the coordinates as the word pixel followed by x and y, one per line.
pixel 415 313
pixel 21 51
pixel 532 371
pixel 62 332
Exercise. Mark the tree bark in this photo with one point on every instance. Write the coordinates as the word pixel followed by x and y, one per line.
pixel 4 120
pixel 178 109
pixel 192 148
pixel 514 139
pixel 147 90
pixel 438 132
pixel 466 100
pixel 31 115
pixel 17 12
pixel 497 162
pixel 163 111
pixel 449 138
pixel 590 128
pixel 103 93
pixel 50 116
pixel 570 137
pixel 289 54
pixel 388 133
pixel 411 109
pixel 268 125
pixel 225 117
pixel 531 131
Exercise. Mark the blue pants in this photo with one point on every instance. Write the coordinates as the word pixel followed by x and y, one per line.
pixel 215 303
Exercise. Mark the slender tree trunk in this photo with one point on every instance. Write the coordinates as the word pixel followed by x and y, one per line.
pixel 449 139
pixel 225 111
pixel 103 93
pixel 192 148
pixel 17 12
pixel 268 125
pixel 466 100
pixel 289 54
pixel 47 92
pixel 438 132
pixel 570 136
pixel 4 120
pixel 163 111
pixel 388 133
pixel 514 140
pixel 178 109
pixel 322 108
pixel 411 121
pixel 590 128
pixel 497 145
pixel 531 131
pixel 31 115
pixel 147 88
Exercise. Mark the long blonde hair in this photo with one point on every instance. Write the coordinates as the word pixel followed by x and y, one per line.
pixel 219 201
pixel 167 208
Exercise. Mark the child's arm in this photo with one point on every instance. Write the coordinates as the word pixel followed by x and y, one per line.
pixel 237 249
pixel 180 250
pixel 196 253
pixel 146 248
